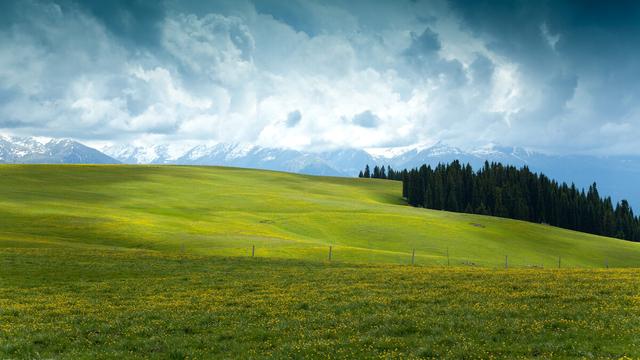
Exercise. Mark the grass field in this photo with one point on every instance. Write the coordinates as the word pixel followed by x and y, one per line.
pixel 154 262
pixel 127 304
pixel 225 211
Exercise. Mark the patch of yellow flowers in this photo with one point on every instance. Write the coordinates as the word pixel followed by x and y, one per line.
pixel 80 303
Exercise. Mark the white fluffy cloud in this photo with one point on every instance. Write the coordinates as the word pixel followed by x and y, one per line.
pixel 298 74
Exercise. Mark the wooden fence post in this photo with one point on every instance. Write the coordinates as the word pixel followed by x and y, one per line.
pixel 413 256
pixel 253 250
pixel 506 261
pixel 448 261
pixel 330 252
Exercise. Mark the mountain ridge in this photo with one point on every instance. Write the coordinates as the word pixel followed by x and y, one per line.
pixel 616 176
pixel 32 150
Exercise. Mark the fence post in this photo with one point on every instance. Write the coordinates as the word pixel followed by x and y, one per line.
pixel 448 262
pixel 253 250
pixel 559 262
pixel 413 256
pixel 606 263
pixel 330 252
pixel 506 261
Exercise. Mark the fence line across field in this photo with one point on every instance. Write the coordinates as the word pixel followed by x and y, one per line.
pixel 415 256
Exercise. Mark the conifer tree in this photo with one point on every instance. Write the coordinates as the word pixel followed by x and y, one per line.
pixel 376 172
pixel 507 191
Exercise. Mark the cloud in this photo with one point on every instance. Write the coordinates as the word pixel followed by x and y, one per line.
pixel 424 55
pixel 133 22
pixel 218 47
pixel 575 64
pixel 426 44
pixel 293 118
pixel 366 119
pixel 558 76
pixel 481 70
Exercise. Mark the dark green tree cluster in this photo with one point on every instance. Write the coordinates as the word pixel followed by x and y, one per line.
pixel 379 172
pixel 507 191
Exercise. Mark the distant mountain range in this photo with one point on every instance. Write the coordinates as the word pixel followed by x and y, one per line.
pixel 617 176
pixel 239 155
pixel 30 150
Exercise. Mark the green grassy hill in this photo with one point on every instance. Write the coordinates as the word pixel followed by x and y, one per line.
pixel 92 266
pixel 226 211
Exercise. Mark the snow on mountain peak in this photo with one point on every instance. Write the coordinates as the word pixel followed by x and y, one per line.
pixel 198 152
pixel 240 150
pixel 388 152
pixel 440 148
pixel 64 142
pixel 392 152
pixel 146 154
pixel 486 150
pixel 435 149
pixel 495 150
pixel 42 150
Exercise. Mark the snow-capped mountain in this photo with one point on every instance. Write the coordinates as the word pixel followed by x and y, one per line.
pixel 32 150
pixel 417 155
pixel 239 155
pixel 156 154
pixel 250 156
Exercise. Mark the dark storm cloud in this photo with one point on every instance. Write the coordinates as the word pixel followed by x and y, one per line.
pixel 510 28
pixel 595 39
pixel 567 49
pixel 136 21
pixel 424 55
pixel 591 33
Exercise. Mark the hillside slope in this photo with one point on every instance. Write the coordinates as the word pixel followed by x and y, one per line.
pixel 226 211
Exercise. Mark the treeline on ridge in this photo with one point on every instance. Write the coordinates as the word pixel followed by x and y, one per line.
pixel 509 192
pixel 379 172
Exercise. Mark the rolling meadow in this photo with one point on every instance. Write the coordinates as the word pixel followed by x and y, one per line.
pixel 155 262
pixel 228 211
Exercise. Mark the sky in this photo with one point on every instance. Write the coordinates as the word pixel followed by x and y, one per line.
pixel 554 76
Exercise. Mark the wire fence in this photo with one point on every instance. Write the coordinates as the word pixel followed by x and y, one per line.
pixel 418 256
